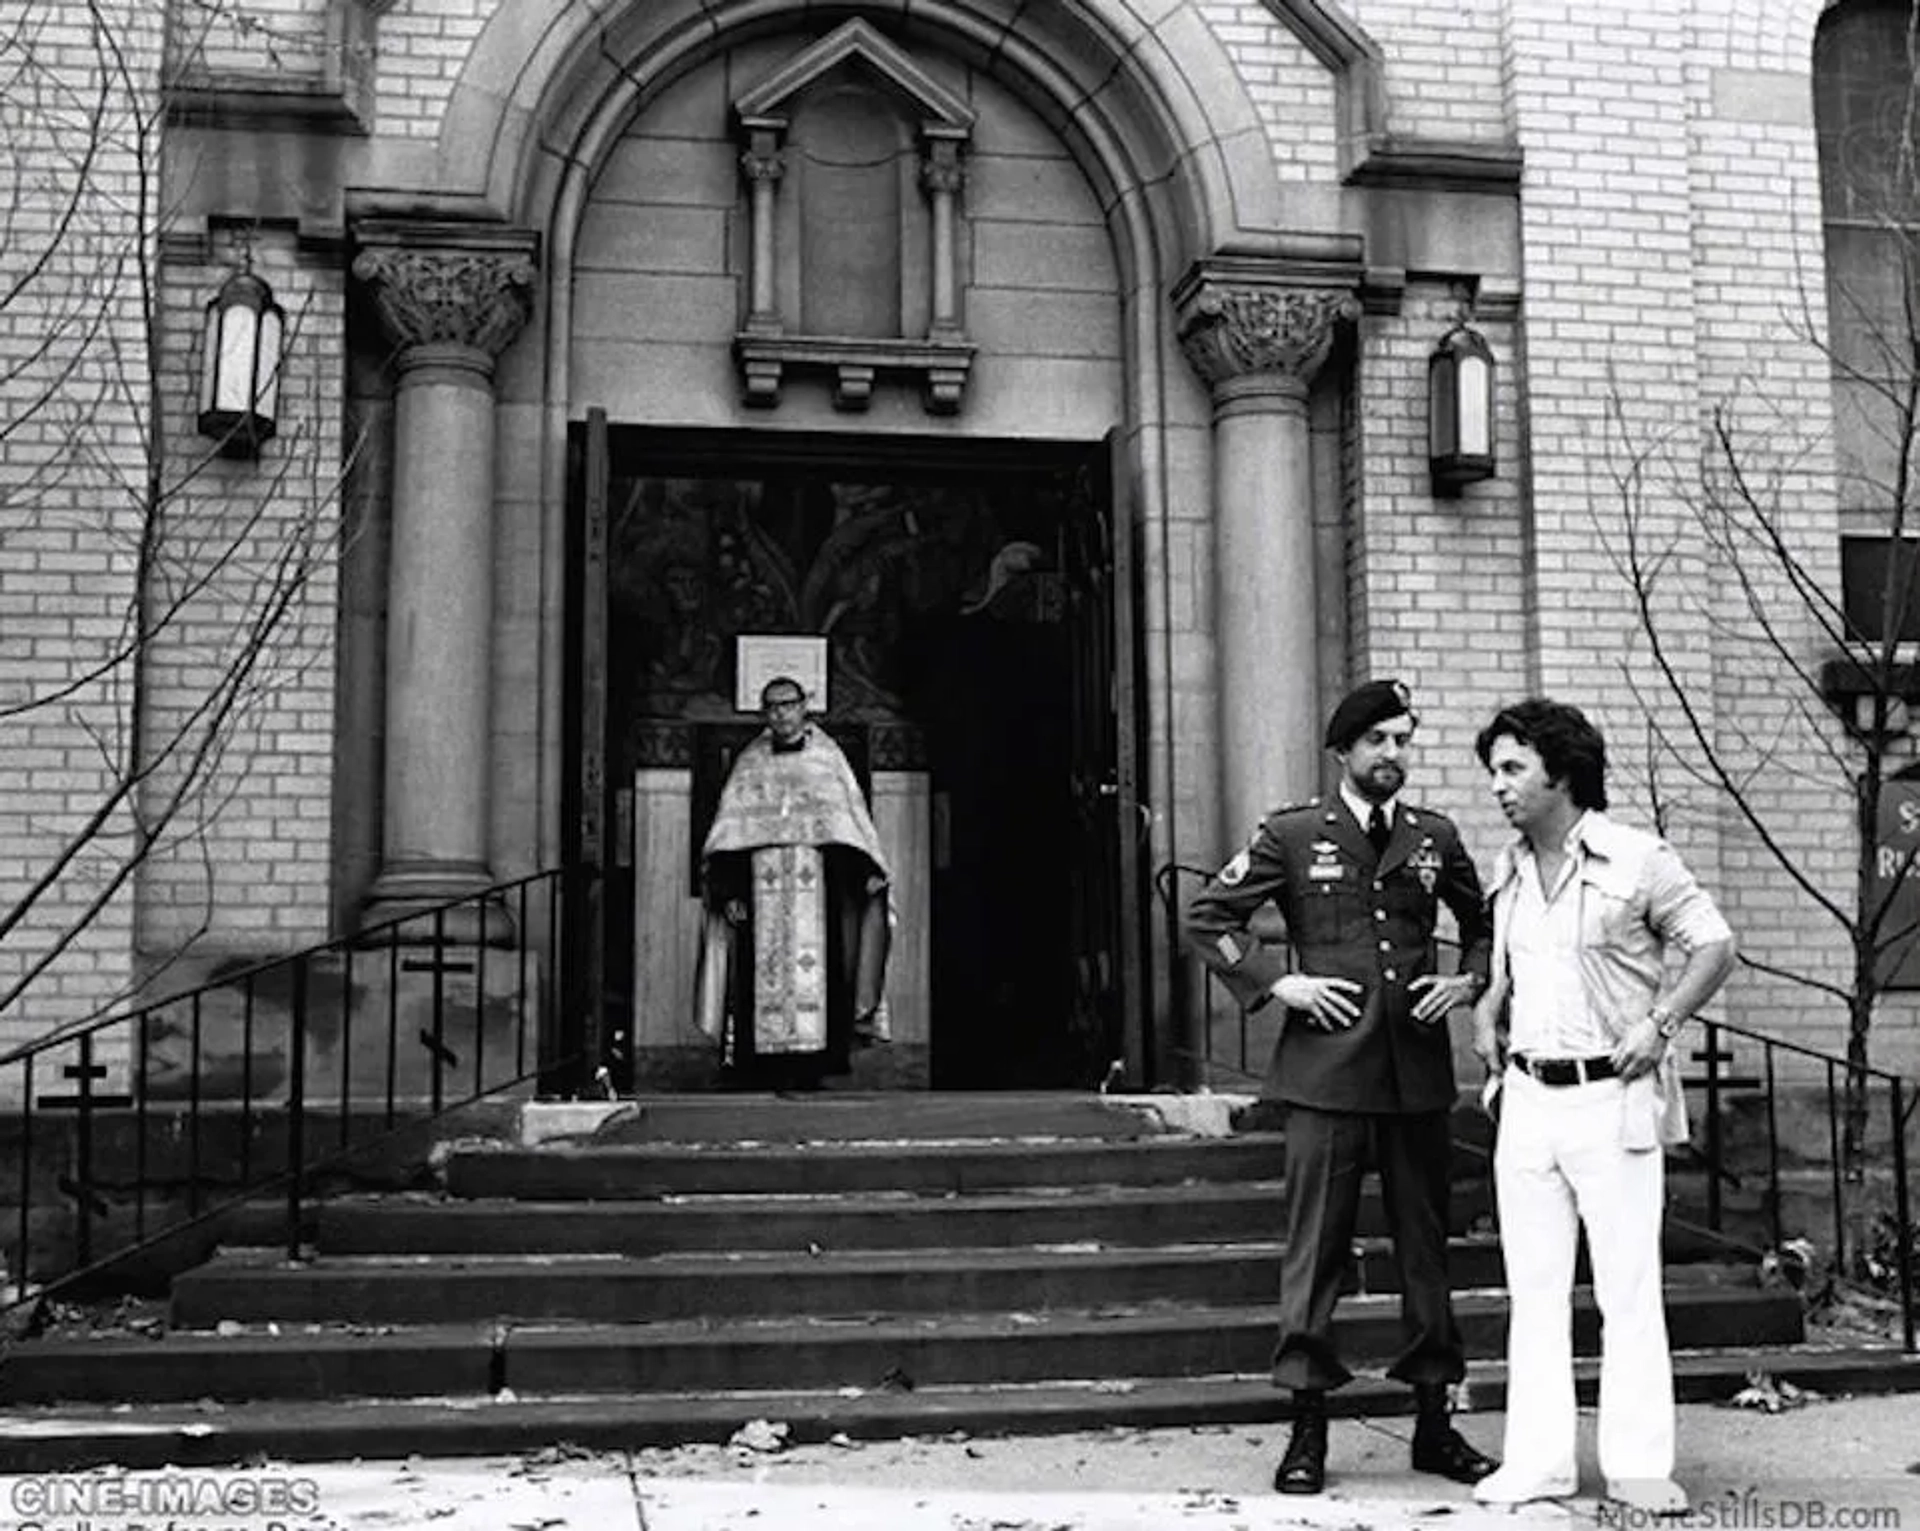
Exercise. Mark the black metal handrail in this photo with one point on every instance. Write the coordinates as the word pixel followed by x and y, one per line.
pixel 284 1022
pixel 1830 1075
pixel 1829 1072
pixel 1183 982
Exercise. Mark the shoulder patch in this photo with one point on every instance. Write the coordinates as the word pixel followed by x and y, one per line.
pixel 1235 871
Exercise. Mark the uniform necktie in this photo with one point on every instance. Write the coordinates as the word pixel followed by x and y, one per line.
pixel 1378 831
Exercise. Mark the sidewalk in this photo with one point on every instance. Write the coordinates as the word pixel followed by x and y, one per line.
pixel 1838 1463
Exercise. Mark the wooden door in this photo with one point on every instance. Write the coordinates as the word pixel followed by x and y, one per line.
pixel 581 1033
pixel 1110 818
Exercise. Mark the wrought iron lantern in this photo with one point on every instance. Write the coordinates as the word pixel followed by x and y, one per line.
pixel 240 365
pixel 1460 410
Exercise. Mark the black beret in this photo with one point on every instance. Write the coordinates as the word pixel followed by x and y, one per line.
pixel 1363 707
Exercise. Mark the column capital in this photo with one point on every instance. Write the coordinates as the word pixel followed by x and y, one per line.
pixel 763 164
pixel 1234 326
pixel 943 174
pixel 449 284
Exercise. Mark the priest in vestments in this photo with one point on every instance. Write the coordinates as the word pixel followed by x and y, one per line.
pixel 794 941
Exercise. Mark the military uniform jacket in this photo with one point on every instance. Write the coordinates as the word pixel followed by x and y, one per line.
pixel 1348 914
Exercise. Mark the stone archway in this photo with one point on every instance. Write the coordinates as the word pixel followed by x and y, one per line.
pixel 1178 174
pixel 1186 186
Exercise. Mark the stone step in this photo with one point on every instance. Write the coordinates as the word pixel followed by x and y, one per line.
pixel 1090 1347
pixel 259 1286
pixel 74 1437
pixel 1131 1215
pixel 741 1117
pixel 638 1172
pixel 1183 1340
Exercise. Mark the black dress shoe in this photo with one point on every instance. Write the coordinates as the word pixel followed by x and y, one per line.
pixel 1447 1452
pixel 1303 1467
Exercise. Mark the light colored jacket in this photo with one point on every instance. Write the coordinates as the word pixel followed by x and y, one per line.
pixel 1637 898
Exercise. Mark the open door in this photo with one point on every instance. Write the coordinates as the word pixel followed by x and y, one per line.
pixel 582 1031
pixel 1110 819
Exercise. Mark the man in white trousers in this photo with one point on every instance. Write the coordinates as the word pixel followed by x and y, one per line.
pixel 1576 1030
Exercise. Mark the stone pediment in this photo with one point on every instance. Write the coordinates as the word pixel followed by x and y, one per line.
pixel 938 111
pixel 766 349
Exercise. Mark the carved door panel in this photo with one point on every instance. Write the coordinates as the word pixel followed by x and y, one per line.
pixel 583 1031
pixel 1110 990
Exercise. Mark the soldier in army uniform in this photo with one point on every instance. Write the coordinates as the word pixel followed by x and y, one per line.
pixel 1364 1063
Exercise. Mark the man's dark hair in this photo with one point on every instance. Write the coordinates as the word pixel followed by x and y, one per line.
pixel 780 684
pixel 1568 745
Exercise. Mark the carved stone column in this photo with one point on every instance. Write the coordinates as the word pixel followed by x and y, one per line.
pixel 1258 344
pixel 762 166
pixel 945 177
pixel 453 300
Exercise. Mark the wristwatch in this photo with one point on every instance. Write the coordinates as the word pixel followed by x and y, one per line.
pixel 1666 1022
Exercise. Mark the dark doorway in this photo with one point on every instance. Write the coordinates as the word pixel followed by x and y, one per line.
pixel 948 579
pixel 995 699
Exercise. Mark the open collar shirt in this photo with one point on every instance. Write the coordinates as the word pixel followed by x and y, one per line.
pixel 1628 898
pixel 1552 1015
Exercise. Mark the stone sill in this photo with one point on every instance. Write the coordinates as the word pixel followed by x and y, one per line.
pixel 941 365
pixel 245 104
pixel 1435 164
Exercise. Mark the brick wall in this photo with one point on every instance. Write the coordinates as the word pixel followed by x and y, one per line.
pixel 274 38
pixel 1757 258
pixel 72 353
pixel 1672 254
pixel 1291 89
pixel 1442 582
pixel 419 48
pixel 240 864
pixel 1444 65
pixel 1760 298
pixel 422 46
pixel 1609 369
pixel 241 705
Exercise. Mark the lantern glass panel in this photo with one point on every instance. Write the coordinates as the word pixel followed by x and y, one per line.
pixel 239 327
pixel 1472 407
pixel 209 357
pixel 1440 411
pixel 266 387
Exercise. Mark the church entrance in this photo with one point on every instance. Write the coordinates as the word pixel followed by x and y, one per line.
pixel 951 604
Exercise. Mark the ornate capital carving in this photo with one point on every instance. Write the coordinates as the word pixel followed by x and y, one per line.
pixel 763 164
pixel 1232 329
pixel 941 166
pixel 943 174
pixel 447 295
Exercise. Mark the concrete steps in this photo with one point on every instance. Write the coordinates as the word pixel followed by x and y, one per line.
pixel 1191 1212
pixel 636 1173
pixel 1109 1346
pixel 1084 1260
pixel 261 1286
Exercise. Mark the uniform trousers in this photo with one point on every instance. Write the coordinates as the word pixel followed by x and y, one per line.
pixel 1559 1162
pixel 1328 1152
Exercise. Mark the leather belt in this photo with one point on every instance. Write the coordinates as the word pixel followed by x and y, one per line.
pixel 1559 1071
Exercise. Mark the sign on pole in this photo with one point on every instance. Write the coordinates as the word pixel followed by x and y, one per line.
pixel 1896 880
